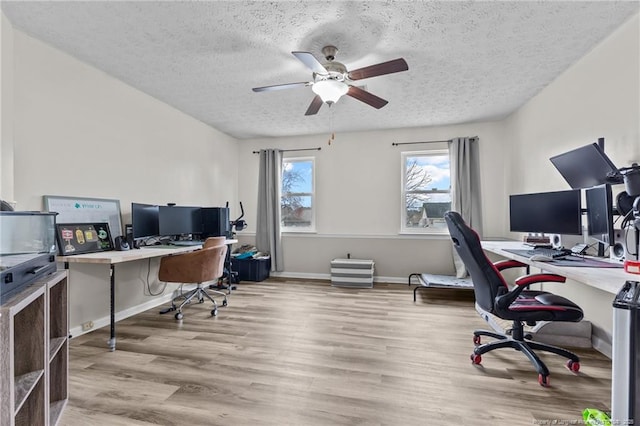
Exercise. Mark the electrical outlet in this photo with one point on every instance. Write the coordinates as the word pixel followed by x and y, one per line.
pixel 87 326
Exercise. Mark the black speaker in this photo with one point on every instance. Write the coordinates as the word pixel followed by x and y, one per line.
pixel 121 243
pixel 215 222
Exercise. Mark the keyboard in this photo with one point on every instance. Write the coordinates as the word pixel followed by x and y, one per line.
pixel 550 252
pixel 187 243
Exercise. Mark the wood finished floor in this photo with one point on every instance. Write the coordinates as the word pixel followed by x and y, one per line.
pixel 305 353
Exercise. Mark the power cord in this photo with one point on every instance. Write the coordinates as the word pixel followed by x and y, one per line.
pixel 151 293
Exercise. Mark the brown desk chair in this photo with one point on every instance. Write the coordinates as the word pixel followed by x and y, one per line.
pixel 195 267
pixel 214 241
pixel 228 275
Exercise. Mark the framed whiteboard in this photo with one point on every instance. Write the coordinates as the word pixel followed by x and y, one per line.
pixel 86 210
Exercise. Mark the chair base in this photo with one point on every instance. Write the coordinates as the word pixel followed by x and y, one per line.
pixel 518 342
pixel 200 293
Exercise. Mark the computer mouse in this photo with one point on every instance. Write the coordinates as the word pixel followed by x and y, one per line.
pixel 541 258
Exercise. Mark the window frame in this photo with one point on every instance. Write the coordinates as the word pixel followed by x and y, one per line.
pixel 312 194
pixel 403 192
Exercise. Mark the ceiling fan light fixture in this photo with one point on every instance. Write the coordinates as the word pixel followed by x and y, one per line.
pixel 330 90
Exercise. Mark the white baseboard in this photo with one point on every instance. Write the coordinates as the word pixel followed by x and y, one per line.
pixel 601 346
pixel 105 321
pixel 327 277
pixel 300 275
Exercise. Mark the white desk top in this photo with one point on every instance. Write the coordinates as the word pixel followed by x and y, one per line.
pixel 606 279
pixel 112 257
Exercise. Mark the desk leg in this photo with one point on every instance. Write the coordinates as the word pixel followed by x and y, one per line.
pixel 112 340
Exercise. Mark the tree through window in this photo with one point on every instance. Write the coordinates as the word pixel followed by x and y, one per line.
pixel 426 191
pixel 297 209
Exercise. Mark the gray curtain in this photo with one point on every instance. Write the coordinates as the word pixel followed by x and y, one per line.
pixel 465 188
pixel 268 236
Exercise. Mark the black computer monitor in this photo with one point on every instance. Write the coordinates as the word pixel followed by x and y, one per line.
pixel 586 166
pixel 144 220
pixel 600 213
pixel 215 222
pixel 179 220
pixel 558 212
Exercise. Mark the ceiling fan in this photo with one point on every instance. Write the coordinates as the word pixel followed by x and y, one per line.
pixel 331 80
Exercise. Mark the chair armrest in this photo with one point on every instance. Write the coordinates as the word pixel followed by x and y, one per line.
pixel 526 280
pixel 509 263
pixel 503 301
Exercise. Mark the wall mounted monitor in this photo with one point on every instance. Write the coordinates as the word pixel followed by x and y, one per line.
pixel 599 201
pixel 558 212
pixel 586 166
pixel 179 220
pixel 144 220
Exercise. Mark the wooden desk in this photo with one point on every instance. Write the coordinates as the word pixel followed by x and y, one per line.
pixel 606 279
pixel 112 258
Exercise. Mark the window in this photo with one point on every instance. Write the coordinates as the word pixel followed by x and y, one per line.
pixel 297 210
pixel 426 191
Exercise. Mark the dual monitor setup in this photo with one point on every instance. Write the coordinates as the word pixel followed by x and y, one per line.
pixel 561 212
pixel 176 222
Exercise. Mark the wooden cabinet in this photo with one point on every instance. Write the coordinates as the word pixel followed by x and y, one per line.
pixel 34 353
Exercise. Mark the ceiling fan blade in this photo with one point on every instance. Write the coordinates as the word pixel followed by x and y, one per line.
pixel 311 62
pixel 316 103
pixel 366 97
pixel 382 68
pixel 280 86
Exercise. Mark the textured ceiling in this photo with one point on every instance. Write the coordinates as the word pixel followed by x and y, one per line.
pixel 468 61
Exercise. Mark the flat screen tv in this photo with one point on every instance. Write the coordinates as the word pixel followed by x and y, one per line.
pixel 599 201
pixel 586 166
pixel 558 212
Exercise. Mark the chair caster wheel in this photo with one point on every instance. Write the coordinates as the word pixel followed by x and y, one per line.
pixel 200 300
pixel 573 366
pixel 179 315
pixel 543 380
pixel 224 302
pixel 476 340
pixel 214 312
pixel 476 359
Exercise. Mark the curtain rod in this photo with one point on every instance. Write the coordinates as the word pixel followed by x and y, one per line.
pixel 301 149
pixel 412 143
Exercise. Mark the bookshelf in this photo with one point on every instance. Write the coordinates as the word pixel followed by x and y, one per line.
pixel 34 353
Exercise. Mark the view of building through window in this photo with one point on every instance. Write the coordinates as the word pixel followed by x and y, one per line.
pixel 426 193
pixel 296 202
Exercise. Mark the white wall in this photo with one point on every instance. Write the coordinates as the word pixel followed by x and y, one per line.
pixel 6 110
pixel 80 132
pixel 358 181
pixel 599 96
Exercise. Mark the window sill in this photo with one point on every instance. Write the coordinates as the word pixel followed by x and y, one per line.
pixel 298 231
pixel 444 234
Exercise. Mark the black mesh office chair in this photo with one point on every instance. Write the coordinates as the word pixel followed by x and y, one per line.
pixel 519 304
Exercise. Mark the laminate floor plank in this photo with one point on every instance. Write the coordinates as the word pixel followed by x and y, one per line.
pixel 296 352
